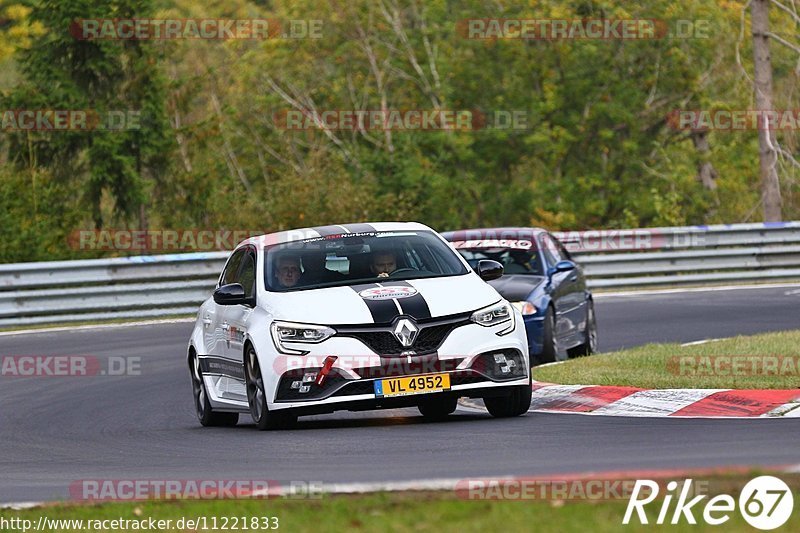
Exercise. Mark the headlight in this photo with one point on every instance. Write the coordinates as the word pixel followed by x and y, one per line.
pixel 292 332
pixel 526 308
pixel 495 315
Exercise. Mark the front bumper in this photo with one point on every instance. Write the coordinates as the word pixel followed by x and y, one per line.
pixel 453 345
pixel 490 369
pixel 368 402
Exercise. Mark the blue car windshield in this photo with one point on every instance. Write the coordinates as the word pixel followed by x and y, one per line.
pixel 514 261
pixel 355 258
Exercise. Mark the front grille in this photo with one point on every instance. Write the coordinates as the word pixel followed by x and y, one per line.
pixel 382 341
pixel 465 378
pixel 355 388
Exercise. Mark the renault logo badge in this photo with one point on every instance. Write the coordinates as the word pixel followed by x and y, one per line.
pixel 405 331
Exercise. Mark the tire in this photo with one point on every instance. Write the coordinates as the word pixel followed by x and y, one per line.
pixel 437 409
pixel 515 404
pixel 589 345
pixel 548 354
pixel 202 407
pixel 257 397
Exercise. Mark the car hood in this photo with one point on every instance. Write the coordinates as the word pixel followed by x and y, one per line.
pixel 517 288
pixel 419 298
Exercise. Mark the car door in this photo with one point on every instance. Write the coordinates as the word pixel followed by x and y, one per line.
pixel 214 335
pixel 578 296
pixel 235 317
pixel 571 296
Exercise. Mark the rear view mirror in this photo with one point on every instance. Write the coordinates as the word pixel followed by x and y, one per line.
pixel 231 294
pixel 489 270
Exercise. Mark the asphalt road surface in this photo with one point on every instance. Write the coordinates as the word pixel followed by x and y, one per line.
pixel 55 431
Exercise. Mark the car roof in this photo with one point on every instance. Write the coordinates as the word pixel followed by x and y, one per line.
pixel 334 229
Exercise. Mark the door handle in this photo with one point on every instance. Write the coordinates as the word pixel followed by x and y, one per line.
pixel 225 326
pixel 207 320
pixel 574 278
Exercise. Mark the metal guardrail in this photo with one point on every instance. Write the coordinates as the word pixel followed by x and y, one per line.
pixel 175 284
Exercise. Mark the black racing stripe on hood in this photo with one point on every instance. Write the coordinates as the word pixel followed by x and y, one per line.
pixel 325 231
pixel 383 311
pixel 415 306
pixel 359 228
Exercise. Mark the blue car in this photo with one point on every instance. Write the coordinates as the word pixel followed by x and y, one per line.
pixel 543 282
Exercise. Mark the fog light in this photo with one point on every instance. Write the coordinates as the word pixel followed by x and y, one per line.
pixel 295 385
pixel 305 388
pixel 308 378
pixel 504 364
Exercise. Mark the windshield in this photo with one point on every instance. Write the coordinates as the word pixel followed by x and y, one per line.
pixel 518 260
pixel 354 258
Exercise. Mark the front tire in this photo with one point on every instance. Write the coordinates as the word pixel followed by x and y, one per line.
pixel 202 406
pixel 437 409
pixel 515 404
pixel 257 397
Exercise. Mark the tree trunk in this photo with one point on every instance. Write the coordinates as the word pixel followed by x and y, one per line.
pixel 706 173
pixel 768 157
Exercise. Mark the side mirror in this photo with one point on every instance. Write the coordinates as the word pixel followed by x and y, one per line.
pixel 231 294
pixel 561 266
pixel 489 270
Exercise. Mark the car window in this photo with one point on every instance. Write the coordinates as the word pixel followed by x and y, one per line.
pixel 551 251
pixel 514 261
pixel 247 274
pixel 520 253
pixel 232 267
pixel 563 251
pixel 357 258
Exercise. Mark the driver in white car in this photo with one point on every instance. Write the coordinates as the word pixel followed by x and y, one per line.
pixel 383 264
pixel 288 270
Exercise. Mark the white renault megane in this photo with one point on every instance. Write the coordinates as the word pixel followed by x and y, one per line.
pixel 355 317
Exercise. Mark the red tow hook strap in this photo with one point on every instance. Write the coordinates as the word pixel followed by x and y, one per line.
pixel 326 368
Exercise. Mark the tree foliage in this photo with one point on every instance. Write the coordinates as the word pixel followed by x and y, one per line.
pixel 597 149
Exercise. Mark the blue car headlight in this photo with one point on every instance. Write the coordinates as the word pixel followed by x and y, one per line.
pixel 526 308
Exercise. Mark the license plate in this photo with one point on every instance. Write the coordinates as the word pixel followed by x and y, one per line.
pixel 412 385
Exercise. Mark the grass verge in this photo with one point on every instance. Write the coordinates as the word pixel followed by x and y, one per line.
pixel 766 361
pixel 399 511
